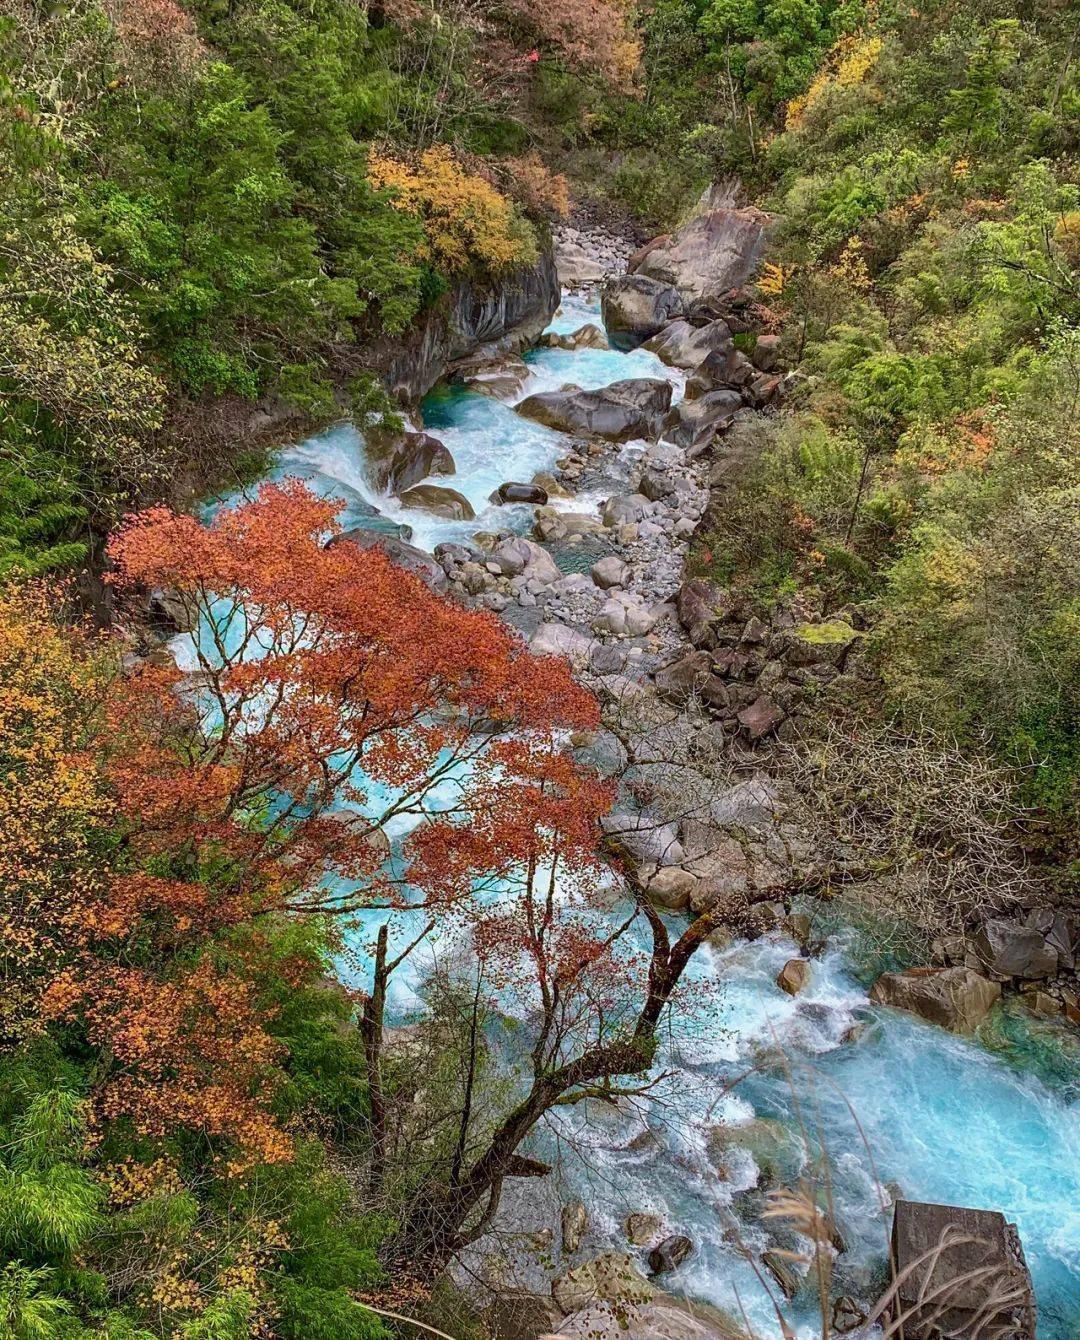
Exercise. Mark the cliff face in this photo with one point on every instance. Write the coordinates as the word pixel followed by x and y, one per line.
pixel 503 316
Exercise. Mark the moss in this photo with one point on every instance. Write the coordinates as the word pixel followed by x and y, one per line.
pixel 826 634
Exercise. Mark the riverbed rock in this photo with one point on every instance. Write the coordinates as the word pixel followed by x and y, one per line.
pixel 947 1292
pixel 513 492
pixel 589 336
pixel 636 307
pixel 628 508
pixel 521 557
pixel 693 424
pixel 662 1318
pixel 682 345
pixel 558 639
pixel 620 412
pixel 794 976
pixel 679 680
pixel 448 503
pixel 1008 949
pixel 624 614
pixel 670 1254
pixel 611 1277
pixel 958 999
pixel 610 571
pixel 502 379
pixel 575 1220
pixel 404 555
pixel 670 887
pixel 644 841
pixel 642 1228
pixel 397 460
pixel 782 1272
pixel 712 253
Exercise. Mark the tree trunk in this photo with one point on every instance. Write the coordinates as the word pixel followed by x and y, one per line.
pixel 371 1030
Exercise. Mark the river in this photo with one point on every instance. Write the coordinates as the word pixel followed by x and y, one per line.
pixel 938 1117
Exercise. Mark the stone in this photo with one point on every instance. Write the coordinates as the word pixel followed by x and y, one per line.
pixel 847 1315
pixel 698 605
pixel 519 556
pixel 610 571
pixel 621 412
pixel 543 479
pixel 1008 949
pixel 693 424
pixel 670 1254
pixel 954 998
pixel 761 718
pixel 629 507
pixel 820 643
pixel 766 354
pixel 794 976
pixel 1061 929
pixel 662 1318
pixel 398 460
pixel 611 1277
pixel 645 841
pixel 1042 1003
pixel 503 380
pixel 636 307
pixel 712 253
pixel 513 492
pixel 956 1281
pixel 575 1220
pixel 557 639
pixel 624 615
pixel 670 887
pixel 654 485
pixel 404 555
pixel 782 1272
pixel 442 502
pixel 722 370
pixel 682 345
pixel 679 680
pixel 641 1228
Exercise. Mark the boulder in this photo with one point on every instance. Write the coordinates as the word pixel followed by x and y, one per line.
pixel 574 1222
pixel 716 251
pixel 693 424
pixel 589 336
pixel 628 508
pixel 723 369
pixel 611 1277
pixel 641 1228
pixel 552 525
pixel 1061 929
pixel 670 887
pixel 518 556
pixel 948 1291
pixel 766 354
pixel 655 485
pixel 782 1272
pixel 635 308
pixel 794 976
pixel 761 718
pixel 670 1254
pixel 620 412
pixel 682 345
pixel 556 639
pixel 1008 949
pixel 404 555
pixel 958 999
pixel 662 1318
pixel 644 841
pixel 397 460
pixel 825 643
pixel 698 605
pixel 448 503
pixel 624 614
pixel 679 680
pixel 512 492
pixel 503 380
pixel 610 571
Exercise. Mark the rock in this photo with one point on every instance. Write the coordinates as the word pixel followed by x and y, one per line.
pixel 781 1271
pixel 682 345
pixel 574 1222
pixel 692 424
pixel 552 525
pixel 722 370
pixel 820 643
pixel 630 507
pixel 624 614
pixel 610 571
pixel 698 605
pixel 847 1315
pixel 503 380
pixel 642 1228
pixel 404 555
pixel 1061 929
pixel 521 557
pixel 556 639
pixel 515 1315
pixel 634 260
pixel 671 887
pixel 794 976
pixel 678 681
pixel 761 718
pixel 954 998
pixel 512 492
pixel 670 1254
pixel 766 353
pixel 1042 1003
pixel 635 307
pixel 948 1292
pixel 442 502
pixel 1008 949
pixel 543 479
pixel 620 412
pixel 775 1149
pixel 397 460
pixel 644 841
pixel 588 336
pixel 654 486
pixel 662 1318
pixel 712 253
pixel 611 1277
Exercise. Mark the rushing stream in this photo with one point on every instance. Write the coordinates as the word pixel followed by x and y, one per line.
pixel 905 1106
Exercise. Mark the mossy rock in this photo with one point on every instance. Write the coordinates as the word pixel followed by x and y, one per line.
pixel 818 643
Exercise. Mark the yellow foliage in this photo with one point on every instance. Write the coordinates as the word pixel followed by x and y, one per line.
pixel 1067 238
pixel 773 278
pixel 851 267
pixel 466 220
pixel 848 63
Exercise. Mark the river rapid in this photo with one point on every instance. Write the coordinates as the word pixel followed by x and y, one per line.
pixel 762 1083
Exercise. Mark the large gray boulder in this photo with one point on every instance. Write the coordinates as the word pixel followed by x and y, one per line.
pixel 661 1318
pixel 404 555
pixel 397 460
pixel 557 639
pixel 644 841
pixel 1010 950
pixel 712 253
pixel 610 1278
pixel 620 412
pixel 693 424
pixel 517 556
pixel 448 503
pixel 958 999
pixel 682 345
pixel 635 307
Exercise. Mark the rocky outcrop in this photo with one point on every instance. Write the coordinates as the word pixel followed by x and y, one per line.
pixel 716 251
pixel 635 308
pixel 611 1278
pixel 682 345
pixel 477 319
pixel 1009 949
pixel 621 412
pixel 958 999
